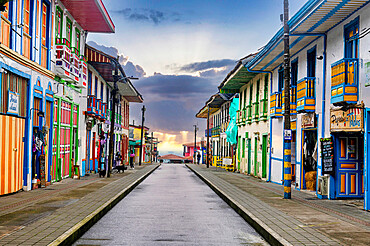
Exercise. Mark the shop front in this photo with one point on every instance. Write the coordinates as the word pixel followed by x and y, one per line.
pixel 309 152
pixel 347 130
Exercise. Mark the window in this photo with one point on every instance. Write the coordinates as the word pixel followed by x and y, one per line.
pixel 294 73
pixel 58 25
pixel 69 31
pixel 266 88
pixel 101 91
pixel 351 34
pixel 311 62
pixel 5 25
pixel 96 86
pixel 27 20
pixel 16 85
pixel 44 35
pixel 89 82
pixel 78 39
pixel 281 79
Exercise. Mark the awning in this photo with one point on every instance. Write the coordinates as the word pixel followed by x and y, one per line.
pixel 238 77
pixel 91 15
pixel 314 19
pixel 105 65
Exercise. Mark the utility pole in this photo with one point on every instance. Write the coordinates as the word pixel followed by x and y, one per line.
pixel 287 128
pixel 207 157
pixel 195 144
pixel 142 134
pixel 112 122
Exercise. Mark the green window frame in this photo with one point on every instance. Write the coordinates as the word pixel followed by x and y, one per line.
pixel 69 30
pixel 77 39
pixel 58 24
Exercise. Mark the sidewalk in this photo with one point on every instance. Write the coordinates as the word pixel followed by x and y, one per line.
pixel 60 213
pixel 303 220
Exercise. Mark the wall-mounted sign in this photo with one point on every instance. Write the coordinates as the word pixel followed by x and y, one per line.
pixel 13 102
pixel 327 155
pixel 347 120
pixel 367 73
pixel 287 135
pixel 308 120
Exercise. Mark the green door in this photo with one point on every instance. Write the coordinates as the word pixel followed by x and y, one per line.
pixel 249 155
pixel 255 156
pixel 264 155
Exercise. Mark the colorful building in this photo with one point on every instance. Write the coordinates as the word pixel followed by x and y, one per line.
pixel 329 106
pixel 135 144
pixel 252 118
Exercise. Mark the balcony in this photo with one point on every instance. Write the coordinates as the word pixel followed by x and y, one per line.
pixel 75 65
pixel 63 59
pixel 263 109
pixel 215 131
pixel 239 117
pixel 103 113
pixel 248 113
pixel 293 100
pixel 276 105
pixel 244 116
pixel 83 72
pixel 91 105
pixel 255 116
pixel 344 81
pixel 306 95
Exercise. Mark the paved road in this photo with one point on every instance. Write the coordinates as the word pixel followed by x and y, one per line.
pixel 171 207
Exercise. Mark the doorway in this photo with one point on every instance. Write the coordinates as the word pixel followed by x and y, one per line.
pixel 309 159
pixel 350 165
pixel 264 155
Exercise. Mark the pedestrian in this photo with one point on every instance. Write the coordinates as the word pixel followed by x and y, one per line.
pixel 132 156
pixel 198 157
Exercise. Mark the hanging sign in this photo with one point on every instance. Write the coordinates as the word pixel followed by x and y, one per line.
pixel 287 134
pixel 13 102
pixel 327 155
pixel 347 120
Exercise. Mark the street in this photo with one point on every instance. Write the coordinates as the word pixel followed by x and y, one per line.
pixel 172 206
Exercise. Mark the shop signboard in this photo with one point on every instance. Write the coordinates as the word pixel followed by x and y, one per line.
pixel 351 119
pixel 327 155
pixel 308 120
pixel 13 102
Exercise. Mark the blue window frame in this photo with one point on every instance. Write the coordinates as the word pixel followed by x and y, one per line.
pixel 281 79
pixel 101 91
pixel 294 72
pixel 351 34
pixel 96 86
pixel 89 85
pixel 311 62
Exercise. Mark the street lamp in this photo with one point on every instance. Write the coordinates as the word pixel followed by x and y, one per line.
pixel 195 143
pixel 142 133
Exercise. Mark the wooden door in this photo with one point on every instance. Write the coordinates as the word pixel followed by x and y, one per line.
pixel 350 164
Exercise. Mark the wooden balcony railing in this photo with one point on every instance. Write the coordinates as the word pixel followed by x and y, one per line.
pixel 293 100
pixel 306 95
pixel 276 105
pixel 344 81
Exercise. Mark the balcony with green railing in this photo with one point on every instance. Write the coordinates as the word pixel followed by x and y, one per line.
pixel 255 116
pixel 263 109
pixel 249 113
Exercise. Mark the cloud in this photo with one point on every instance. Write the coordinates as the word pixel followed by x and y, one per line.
pixel 212 64
pixel 148 15
pixel 129 67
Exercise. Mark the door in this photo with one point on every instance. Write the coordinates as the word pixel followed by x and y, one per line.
pixel 93 151
pixel 256 167
pixel 249 155
pixel 350 165
pixel 264 155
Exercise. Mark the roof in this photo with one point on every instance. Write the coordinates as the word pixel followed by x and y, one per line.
pixel 105 65
pixel 237 77
pixel 214 104
pixel 171 157
pixel 312 21
pixel 91 15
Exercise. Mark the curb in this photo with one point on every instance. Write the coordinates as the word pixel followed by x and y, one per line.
pixel 266 232
pixel 74 233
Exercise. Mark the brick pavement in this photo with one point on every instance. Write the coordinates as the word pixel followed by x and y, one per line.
pixel 61 212
pixel 303 220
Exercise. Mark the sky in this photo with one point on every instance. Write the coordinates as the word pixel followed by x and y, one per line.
pixel 181 51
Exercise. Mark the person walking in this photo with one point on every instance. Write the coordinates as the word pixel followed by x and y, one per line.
pixel 132 156
pixel 198 157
